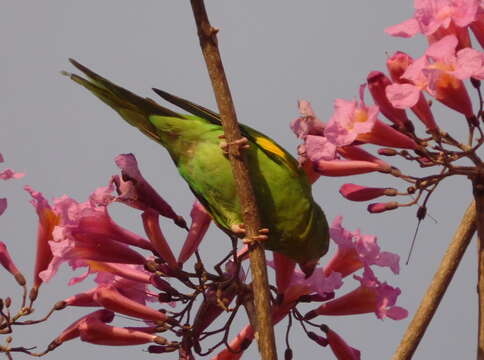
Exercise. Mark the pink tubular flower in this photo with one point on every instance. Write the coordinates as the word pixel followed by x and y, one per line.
pixel 340 348
pixel 77 249
pixel 200 222
pixel 284 268
pixel 397 64
pixel 359 162
pixel 7 262
pixel 97 332
pixel 88 219
pixel 318 155
pixel 112 299
pixel 239 344
pixel 440 73
pixel 112 272
pixel 377 82
pixel 371 296
pixel 362 193
pixel 355 121
pixel 134 290
pixel 135 191
pixel 85 298
pixel 385 135
pixel 72 331
pixel 356 251
pixel 345 168
pixel 462 64
pixel 153 230
pixel 438 18
pixel 48 219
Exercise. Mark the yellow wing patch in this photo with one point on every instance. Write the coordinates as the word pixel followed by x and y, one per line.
pixel 273 148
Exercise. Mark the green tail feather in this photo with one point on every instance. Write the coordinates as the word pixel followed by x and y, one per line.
pixel 132 108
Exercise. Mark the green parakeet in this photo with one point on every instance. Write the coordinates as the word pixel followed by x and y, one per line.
pixel 297 225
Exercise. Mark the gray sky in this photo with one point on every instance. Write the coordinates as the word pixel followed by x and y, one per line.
pixel 274 53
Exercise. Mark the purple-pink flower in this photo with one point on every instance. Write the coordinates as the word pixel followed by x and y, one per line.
pixel 439 72
pixel 350 119
pixel 438 18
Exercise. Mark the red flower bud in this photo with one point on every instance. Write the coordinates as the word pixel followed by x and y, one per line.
pixel 355 192
pixel 381 207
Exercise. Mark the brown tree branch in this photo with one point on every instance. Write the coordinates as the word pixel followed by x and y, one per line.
pixel 208 43
pixel 478 190
pixel 438 286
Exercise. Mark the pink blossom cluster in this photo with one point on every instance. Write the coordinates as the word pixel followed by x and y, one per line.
pixel 336 148
pixel 133 271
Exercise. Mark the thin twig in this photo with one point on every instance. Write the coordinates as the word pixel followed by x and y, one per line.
pixel 437 288
pixel 208 43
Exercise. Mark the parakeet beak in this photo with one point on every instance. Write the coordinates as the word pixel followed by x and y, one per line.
pixel 308 267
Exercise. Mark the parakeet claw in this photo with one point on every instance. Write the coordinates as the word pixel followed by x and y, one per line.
pixel 237 146
pixel 240 231
pixel 258 238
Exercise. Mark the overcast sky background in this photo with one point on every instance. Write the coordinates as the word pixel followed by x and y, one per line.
pixel 274 53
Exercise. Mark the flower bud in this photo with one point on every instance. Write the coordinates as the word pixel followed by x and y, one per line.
pixel 288 354
pixel 318 339
pixel 397 64
pixel 387 152
pixel 355 192
pixel 381 207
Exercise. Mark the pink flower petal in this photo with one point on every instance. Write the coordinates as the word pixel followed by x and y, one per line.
pixel 308 123
pixel 406 29
pixel 402 96
pixel 444 48
pixel 470 63
pixel 319 148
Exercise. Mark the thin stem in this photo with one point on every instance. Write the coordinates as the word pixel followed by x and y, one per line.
pixel 208 43
pixel 437 288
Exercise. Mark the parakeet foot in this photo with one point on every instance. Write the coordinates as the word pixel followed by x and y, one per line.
pixel 237 145
pixel 261 237
pixel 239 230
